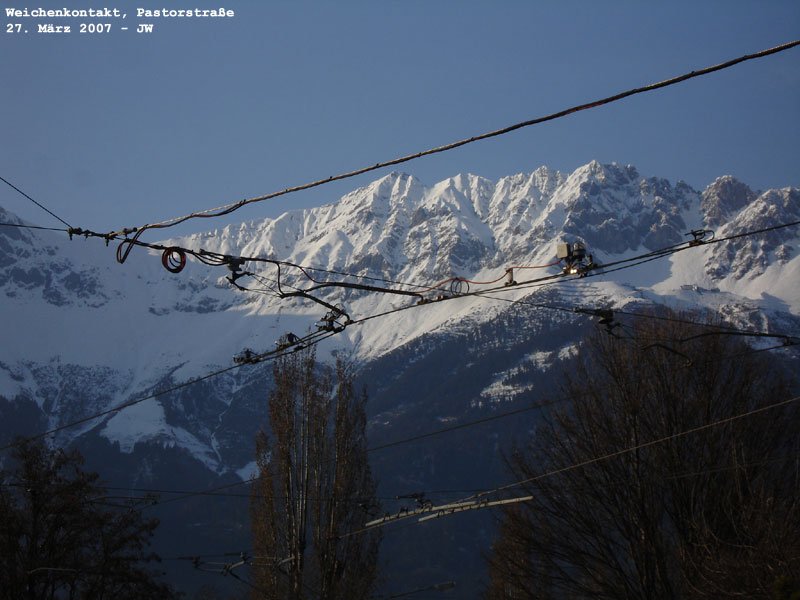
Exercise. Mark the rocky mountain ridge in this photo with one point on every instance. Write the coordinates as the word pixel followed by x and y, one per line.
pixel 76 317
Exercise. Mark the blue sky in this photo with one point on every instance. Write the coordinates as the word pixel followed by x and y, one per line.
pixel 123 129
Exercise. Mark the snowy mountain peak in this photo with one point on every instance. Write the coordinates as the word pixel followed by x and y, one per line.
pixel 723 198
pixel 396 227
pixel 609 174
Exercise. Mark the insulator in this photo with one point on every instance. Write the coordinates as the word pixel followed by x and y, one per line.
pixel 173 259
pixel 510 277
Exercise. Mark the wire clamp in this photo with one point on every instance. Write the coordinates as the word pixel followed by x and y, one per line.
pixel 699 236
pixel 287 340
pixel 330 322
pixel 246 357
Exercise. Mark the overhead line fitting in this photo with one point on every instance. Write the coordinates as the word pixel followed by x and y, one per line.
pixel 288 341
pixel 699 236
pixel 576 260
pixel 460 286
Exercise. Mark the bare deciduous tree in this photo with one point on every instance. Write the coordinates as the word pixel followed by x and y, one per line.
pixel 60 537
pixel 314 486
pixel 711 514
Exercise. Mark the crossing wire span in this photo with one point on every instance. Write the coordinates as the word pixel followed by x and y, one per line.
pixel 229 208
pixel 44 208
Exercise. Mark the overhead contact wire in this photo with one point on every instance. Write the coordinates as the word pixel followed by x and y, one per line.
pixel 637 447
pixel 479 500
pixel 312 339
pixel 229 208
pixel 540 406
pixel 23 226
pixel 44 208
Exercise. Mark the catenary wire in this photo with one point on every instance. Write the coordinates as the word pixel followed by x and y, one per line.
pixel 118 408
pixel 44 208
pixel 229 208
pixel 626 262
pixel 24 226
pixel 487 505
pixel 215 259
pixel 315 339
pixel 540 406
pixel 600 270
pixel 637 447
pixel 655 254
pixel 214 491
pixel 465 425
pixel 719 328
pixel 125 405
pixel 554 278
pixel 470 502
pixel 457 507
pixel 618 482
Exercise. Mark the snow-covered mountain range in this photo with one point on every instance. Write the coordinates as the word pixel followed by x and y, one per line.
pixel 82 334
pixel 74 317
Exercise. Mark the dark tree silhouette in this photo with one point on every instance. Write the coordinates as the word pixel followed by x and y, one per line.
pixel 712 514
pixel 60 537
pixel 314 486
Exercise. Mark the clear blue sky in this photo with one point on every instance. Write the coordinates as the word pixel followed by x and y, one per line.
pixel 124 129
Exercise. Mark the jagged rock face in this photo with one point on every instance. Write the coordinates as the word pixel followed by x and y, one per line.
pixel 723 199
pixel 615 210
pixel 30 266
pixel 397 228
pixel 753 256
